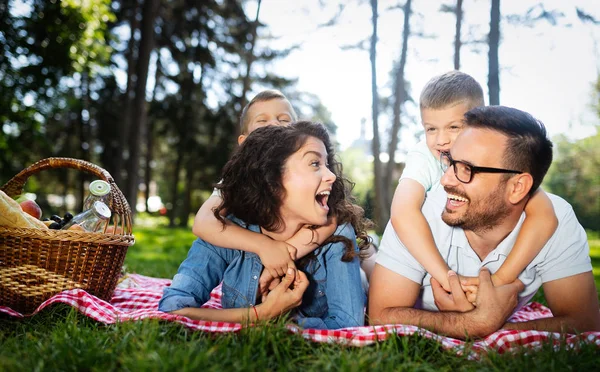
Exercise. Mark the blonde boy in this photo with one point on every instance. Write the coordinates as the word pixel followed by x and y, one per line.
pixel 443 102
pixel 269 107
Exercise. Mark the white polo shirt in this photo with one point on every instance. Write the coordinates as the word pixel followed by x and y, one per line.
pixel 423 167
pixel 564 255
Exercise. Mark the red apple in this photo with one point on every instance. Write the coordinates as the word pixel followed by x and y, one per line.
pixel 31 208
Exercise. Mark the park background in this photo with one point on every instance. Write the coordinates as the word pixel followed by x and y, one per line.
pixel 151 90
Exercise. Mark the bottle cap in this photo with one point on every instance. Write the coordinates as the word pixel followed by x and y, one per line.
pixel 99 188
pixel 101 210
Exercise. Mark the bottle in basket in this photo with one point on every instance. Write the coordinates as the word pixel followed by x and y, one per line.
pixel 99 191
pixel 91 220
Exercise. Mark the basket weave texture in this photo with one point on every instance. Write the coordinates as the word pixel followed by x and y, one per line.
pixel 35 264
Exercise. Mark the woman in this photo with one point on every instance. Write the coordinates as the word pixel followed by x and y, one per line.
pixel 279 180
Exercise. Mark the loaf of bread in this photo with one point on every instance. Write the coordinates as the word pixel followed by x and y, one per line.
pixel 11 214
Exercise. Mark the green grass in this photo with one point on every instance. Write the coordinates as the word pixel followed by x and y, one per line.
pixel 60 338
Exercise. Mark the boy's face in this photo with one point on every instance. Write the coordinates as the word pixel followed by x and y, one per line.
pixel 442 127
pixel 272 112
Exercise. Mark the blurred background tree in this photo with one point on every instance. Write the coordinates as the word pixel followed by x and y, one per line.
pixel 575 171
pixel 152 90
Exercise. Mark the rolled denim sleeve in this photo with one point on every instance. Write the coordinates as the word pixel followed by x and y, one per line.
pixel 197 275
pixel 345 295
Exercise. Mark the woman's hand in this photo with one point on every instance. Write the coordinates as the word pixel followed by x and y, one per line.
pixel 277 257
pixel 267 283
pixel 285 296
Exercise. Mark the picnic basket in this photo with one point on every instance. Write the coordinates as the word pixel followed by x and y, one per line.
pixel 35 264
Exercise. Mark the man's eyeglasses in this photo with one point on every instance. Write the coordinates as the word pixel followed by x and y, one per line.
pixel 464 171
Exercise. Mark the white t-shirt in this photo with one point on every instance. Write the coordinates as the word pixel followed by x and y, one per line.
pixel 564 255
pixel 423 167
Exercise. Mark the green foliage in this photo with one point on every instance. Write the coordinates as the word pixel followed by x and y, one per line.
pixel 360 171
pixel 60 338
pixel 575 176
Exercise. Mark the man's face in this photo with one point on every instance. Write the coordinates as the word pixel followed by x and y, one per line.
pixel 275 111
pixel 481 204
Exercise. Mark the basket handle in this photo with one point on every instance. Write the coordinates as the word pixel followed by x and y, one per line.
pixel 119 204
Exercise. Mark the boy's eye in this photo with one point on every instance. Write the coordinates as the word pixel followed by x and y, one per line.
pixel 456 127
pixel 430 129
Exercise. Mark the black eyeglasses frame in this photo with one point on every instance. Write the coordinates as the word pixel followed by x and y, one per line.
pixel 474 169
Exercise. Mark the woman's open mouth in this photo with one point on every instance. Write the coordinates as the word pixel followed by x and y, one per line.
pixel 322 199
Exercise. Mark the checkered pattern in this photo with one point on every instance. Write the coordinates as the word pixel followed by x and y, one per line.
pixel 137 298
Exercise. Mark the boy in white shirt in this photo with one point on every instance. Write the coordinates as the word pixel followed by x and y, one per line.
pixel 443 102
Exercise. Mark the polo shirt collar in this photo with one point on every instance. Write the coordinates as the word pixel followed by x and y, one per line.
pixel 459 240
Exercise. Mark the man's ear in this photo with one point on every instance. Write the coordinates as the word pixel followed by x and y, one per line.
pixel 518 187
pixel 241 138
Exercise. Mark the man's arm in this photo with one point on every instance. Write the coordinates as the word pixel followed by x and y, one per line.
pixel 392 297
pixel 574 304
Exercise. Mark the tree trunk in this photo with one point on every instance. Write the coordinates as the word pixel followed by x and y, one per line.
pixel 457 39
pixel 174 188
pixel 150 139
pixel 117 170
pixel 186 207
pixel 494 42
pixel 84 137
pixel 138 120
pixel 249 61
pixel 399 99
pixel 380 207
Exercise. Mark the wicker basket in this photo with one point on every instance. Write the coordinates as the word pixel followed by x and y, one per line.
pixel 35 264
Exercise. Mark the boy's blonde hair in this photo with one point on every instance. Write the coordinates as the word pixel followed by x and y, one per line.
pixel 449 89
pixel 265 95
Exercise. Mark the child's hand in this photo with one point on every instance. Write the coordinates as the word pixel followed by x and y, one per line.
pixel 277 257
pixel 469 285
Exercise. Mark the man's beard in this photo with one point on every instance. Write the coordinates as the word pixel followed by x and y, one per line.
pixel 480 216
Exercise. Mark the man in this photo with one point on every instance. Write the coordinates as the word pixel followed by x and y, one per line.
pixel 495 165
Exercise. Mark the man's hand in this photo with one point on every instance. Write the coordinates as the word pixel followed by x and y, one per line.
pixel 456 300
pixel 494 304
pixel 277 257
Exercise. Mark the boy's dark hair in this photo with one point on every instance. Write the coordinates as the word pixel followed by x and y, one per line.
pixel 265 95
pixel 252 188
pixel 449 89
pixel 528 148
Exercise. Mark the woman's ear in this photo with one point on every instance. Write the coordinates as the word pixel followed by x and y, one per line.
pixel 241 138
pixel 519 187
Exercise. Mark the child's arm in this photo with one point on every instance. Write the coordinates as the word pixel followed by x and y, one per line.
pixel 303 242
pixel 413 230
pixel 274 255
pixel 307 240
pixel 539 225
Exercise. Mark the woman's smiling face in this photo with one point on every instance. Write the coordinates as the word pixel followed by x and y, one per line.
pixel 307 183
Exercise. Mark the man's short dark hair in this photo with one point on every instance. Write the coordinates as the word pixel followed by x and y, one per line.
pixel 528 148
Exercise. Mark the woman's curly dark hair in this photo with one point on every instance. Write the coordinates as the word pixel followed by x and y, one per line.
pixel 252 188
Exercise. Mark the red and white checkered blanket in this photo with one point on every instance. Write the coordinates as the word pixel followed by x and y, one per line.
pixel 137 298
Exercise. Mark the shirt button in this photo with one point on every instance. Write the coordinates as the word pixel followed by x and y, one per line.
pixel 255 277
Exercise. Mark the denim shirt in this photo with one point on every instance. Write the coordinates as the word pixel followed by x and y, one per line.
pixel 334 298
